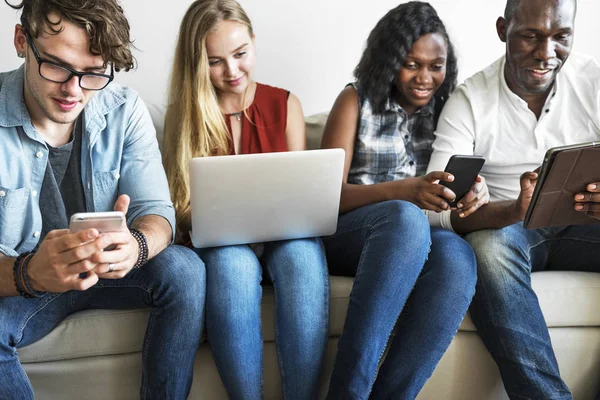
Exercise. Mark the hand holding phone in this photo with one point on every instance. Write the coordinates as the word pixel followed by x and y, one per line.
pixel 111 221
pixel 465 169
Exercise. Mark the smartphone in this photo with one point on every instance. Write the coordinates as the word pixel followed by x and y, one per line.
pixel 109 221
pixel 465 169
pixel 103 221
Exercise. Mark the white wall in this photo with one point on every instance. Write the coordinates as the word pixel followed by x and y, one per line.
pixel 307 46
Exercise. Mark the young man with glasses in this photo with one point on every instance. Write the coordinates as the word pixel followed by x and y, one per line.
pixel 72 142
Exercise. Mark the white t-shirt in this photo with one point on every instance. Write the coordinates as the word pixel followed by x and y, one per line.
pixel 484 117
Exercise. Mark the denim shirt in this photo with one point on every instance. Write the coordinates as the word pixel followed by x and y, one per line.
pixel 120 155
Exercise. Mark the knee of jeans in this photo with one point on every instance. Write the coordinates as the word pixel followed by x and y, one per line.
pixel 183 270
pixel 298 264
pixel 229 267
pixel 400 217
pixel 455 258
pixel 499 253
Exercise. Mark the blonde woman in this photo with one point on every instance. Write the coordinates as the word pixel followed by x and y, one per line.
pixel 216 108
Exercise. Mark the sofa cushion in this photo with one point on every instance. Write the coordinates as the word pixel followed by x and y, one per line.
pixel 568 299
pixel 314 130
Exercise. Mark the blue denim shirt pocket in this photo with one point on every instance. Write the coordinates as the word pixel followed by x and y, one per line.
pixel 106 189
pixel 12 207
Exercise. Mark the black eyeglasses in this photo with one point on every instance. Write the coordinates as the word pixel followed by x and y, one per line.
pixel 60 74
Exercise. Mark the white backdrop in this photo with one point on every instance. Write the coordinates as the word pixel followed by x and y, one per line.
pixel 307 46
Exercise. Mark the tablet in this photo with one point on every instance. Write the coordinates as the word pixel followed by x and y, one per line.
pixel 566 171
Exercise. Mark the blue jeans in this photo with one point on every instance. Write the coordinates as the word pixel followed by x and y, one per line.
pixel 298 271
pixel 506 310
pixel 172 283
pixel 386 245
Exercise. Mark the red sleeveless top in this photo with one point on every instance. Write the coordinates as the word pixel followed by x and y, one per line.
pixel 264 129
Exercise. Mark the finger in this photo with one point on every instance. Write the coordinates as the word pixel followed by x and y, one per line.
pixel 441 192
pixel 79 267
pixel 439 176
pixel 479 186
pixel 470 210
pixel 436 203
pixel 110 257
pixel 464 205
pixel 107 268
pixel 467 200
pixel 528 179
pixel 118 237
pixel 594 187
pixel 118 272
pixel 432 207
pixel 70 241
pixel 85 283
pixel 587 207
pixel 122 204
pixel 588 197
pixel 83 251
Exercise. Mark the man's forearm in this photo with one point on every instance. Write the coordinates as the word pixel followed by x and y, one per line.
pixel 157 231
pixel 493 215
pixel 7 281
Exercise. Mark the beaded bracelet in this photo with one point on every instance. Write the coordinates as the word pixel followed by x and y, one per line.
pixel 143 245
pixel 16 275
pixel 21 279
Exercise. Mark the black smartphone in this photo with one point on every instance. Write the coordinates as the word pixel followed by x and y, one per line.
pixel 465 169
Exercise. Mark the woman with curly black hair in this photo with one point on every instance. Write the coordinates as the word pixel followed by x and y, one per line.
pixel 408 275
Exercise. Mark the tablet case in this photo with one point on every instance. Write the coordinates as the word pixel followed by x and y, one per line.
pixel 570 169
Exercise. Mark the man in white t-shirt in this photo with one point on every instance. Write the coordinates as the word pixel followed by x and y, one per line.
pixel 511 113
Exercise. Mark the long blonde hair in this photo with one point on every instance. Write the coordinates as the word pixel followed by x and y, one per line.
pixel 194 125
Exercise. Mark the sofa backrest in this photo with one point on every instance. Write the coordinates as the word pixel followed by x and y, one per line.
pixel 314 126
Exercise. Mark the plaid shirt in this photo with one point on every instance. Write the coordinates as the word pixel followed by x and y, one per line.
pixel 387 148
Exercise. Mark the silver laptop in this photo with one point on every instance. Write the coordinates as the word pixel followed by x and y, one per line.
pixel 255 198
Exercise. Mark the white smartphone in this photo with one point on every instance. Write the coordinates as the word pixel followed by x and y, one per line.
pixel 110 221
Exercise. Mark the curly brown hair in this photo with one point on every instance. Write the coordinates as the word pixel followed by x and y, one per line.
pixel 104 22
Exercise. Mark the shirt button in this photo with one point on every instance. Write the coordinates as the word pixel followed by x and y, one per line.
pixel 36 234
pixel 405 136
pixel 34 193
pixel 2 193
pixel 39 154
pixel 547 110
pixel 411 163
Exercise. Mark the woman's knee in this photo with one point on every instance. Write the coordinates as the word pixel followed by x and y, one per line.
pixel 403 221
pixel 231 266
pixel 453 257
pixel 297 260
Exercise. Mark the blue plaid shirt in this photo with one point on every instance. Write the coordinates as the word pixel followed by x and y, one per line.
pixel 387 148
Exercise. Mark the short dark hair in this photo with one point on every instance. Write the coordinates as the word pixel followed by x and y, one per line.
pixel 509 10
pixel 104 21
pixel 512 6
pixel 388 46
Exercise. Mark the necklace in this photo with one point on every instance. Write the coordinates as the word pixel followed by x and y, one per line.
pixel 237 115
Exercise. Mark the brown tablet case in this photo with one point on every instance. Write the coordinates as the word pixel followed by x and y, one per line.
pixel 570 169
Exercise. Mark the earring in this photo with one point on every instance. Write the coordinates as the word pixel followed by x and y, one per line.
pixel 20 55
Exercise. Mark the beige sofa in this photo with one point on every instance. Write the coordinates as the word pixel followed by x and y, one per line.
pixel 96 354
